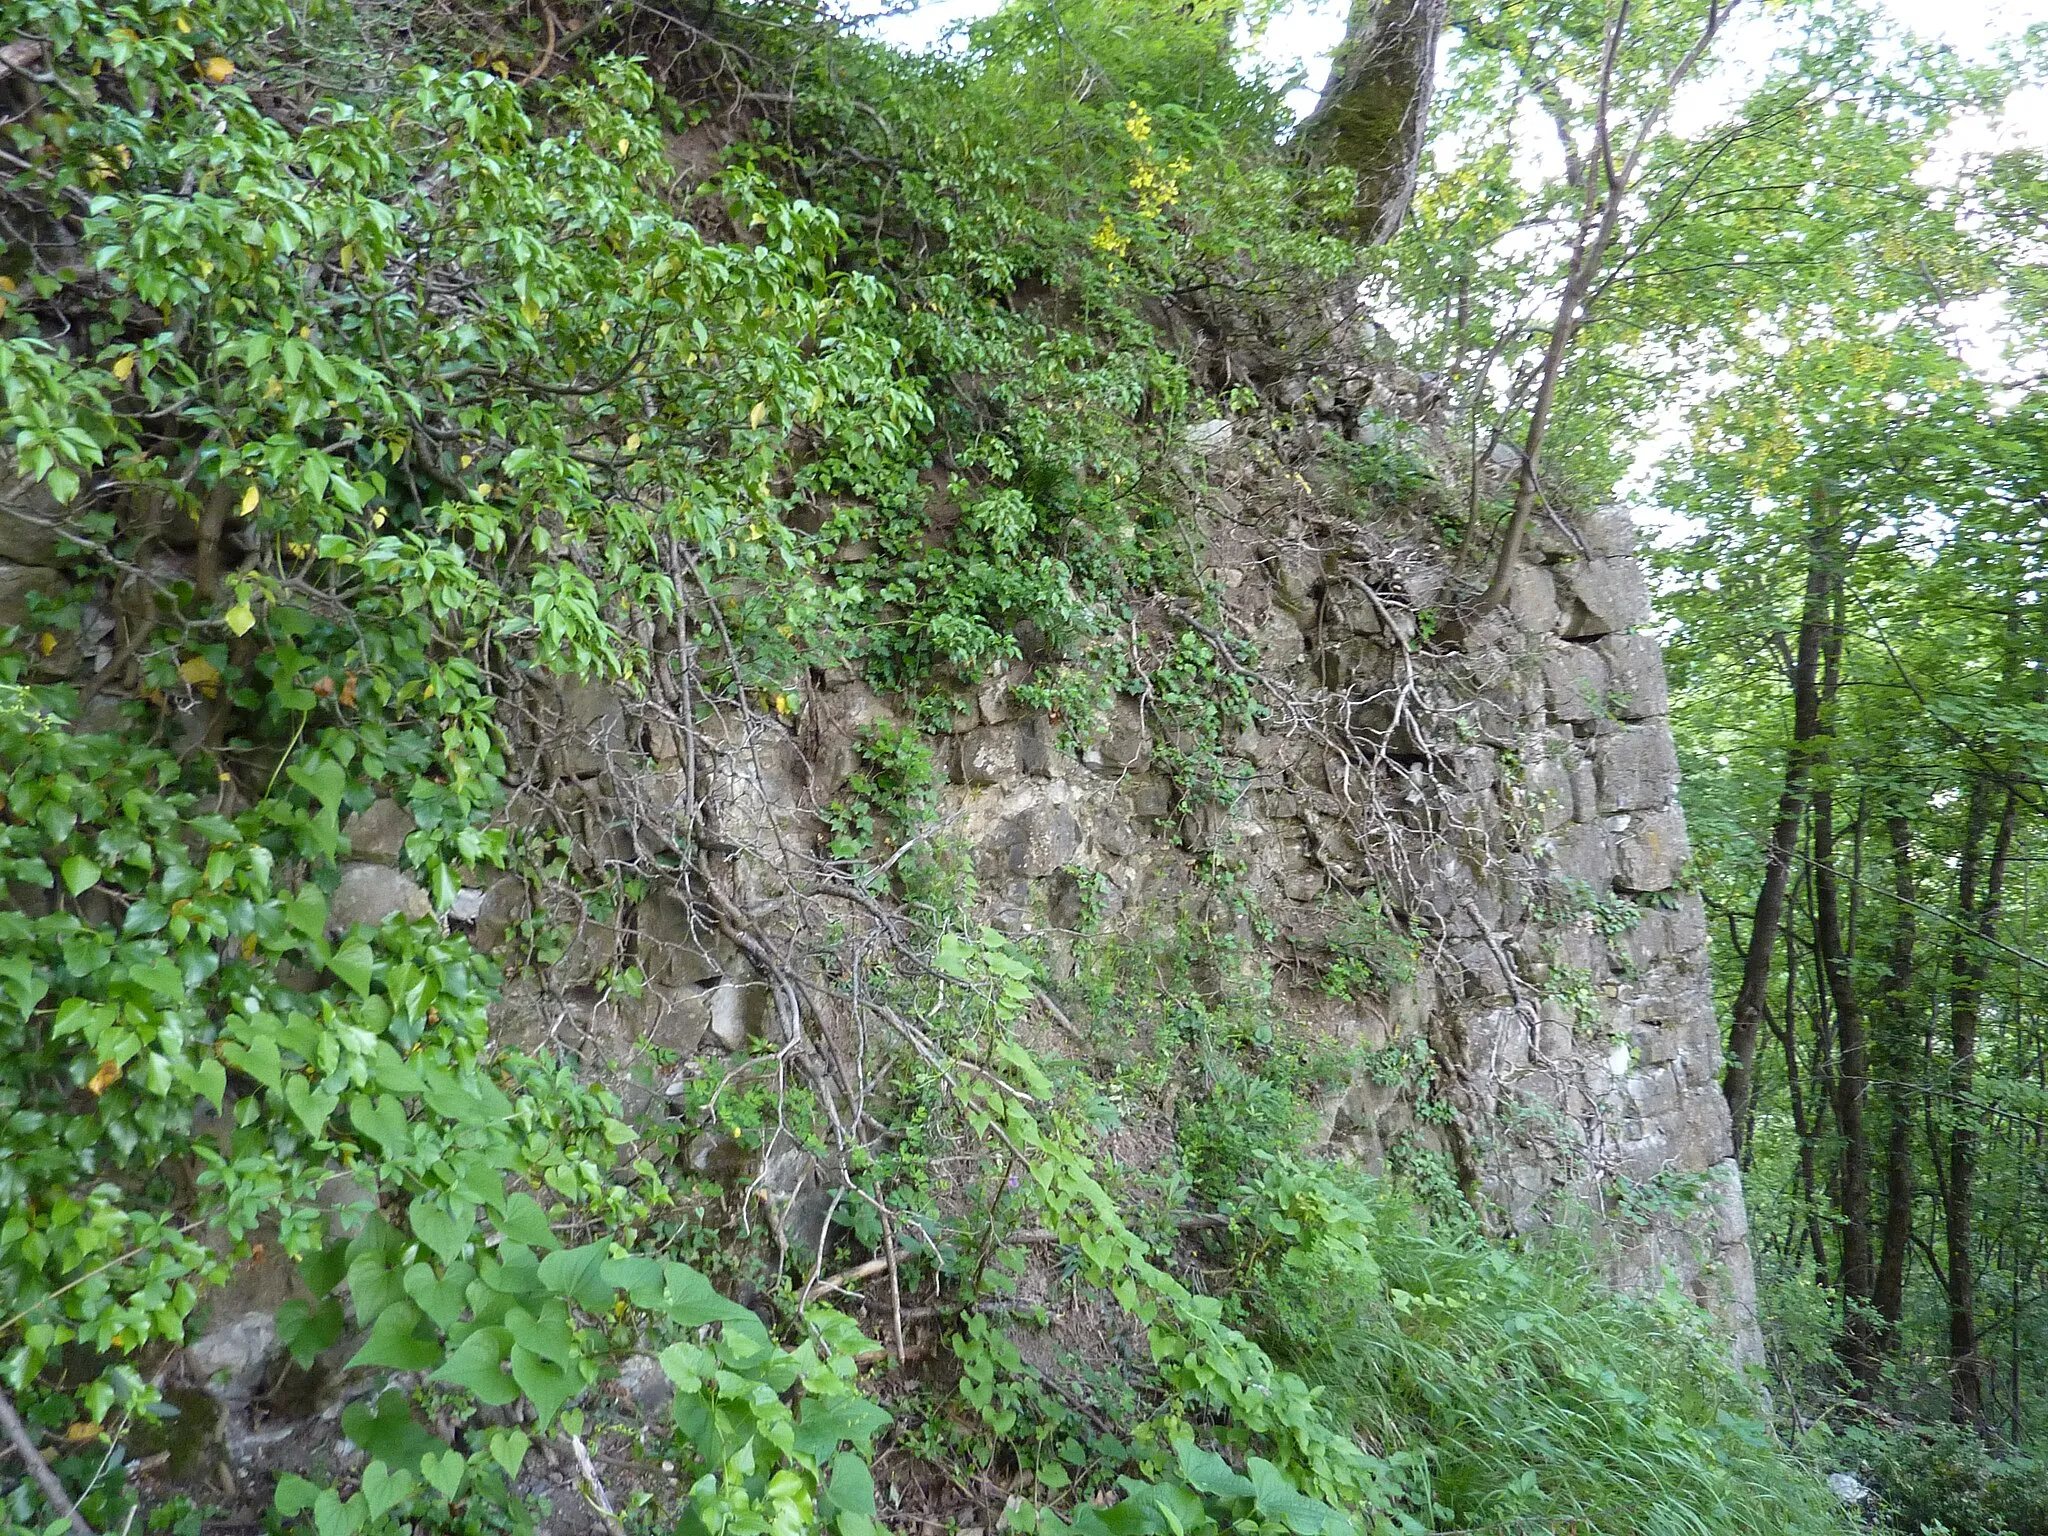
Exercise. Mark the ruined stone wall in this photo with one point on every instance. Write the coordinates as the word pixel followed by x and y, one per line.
pixel 1501 787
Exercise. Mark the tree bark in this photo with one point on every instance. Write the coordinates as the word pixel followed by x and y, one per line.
pixel 1978 916
pixel 1374 111
pixel 1852 1073
pixel 1779 853
pixel 1896 1060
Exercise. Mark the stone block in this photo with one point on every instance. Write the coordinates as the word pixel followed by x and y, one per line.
pixel 1603 596
pixel 505 902
pixel 29 516
pixel 991 755
pixel 369 893
pixel 1636 769
pixel 1635 687
pixel 586 728
pixel 1575 682
pixel 1582 851
pixel 17 584
pixel 377 835
pixel 1040 841
pixel 1532 600
pixel 1651 852
pixel 1547 791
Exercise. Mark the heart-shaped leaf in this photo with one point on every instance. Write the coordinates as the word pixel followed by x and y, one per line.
pixel 445 1471
pixel 441 1229
pixel 331 1517
pixel 509 1448
pixel 475 1366
pixel 311 1106
pixel 384 1489
pixel 352 963
pixel 441 1297
pixel 393 1342
pixel 546 1385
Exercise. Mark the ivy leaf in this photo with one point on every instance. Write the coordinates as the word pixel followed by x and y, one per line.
pixel 306 1330
pixel 352 963
pixel 509 1448
pixel 441 1297
pixel 382 1119
pixel 79 873
pixel 295 1495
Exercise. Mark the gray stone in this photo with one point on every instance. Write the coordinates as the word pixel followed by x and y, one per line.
pixel 1532 600
pixel 377 834
pixel 991 755
pixel 1635 687
pixel 1575 682
pixel 1636 769
pixel 1548 792
pixel 29 516
pixel 586 729
pixel 1041 841
pixel 1208 437
pixel 1649 856
pixel 369 893
pixel 506 901
pixel 1582 852
pixel 738 1012
pixel 673 950
pixel 676 1018
pixel 468 903
pixel 1603 596
pixel 230 1360
pixel 17 584
pixel 1126 744
pixel 646 1384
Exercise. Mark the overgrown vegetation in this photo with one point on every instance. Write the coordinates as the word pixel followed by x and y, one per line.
pixel 370 387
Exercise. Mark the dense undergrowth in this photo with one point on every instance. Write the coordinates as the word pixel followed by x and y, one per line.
pixel 369 389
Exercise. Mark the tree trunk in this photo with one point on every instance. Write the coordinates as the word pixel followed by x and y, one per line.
pixel 1779 853
pixel 1978 923
pixel 1374 112
pixel 1852 1074
pixel 1897 1059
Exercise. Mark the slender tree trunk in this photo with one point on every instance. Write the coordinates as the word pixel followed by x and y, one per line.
pixel 1779 853
pixel 1897 1060
pixel 1852 1073
pixel 1979 922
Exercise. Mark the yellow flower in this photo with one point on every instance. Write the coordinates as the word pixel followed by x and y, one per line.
pixel 1110 239
pixel 1139 124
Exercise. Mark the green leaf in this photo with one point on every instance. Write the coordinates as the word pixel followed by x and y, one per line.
pixel 208 1079
pixel 852 1488
pixel 382 1120
pixel 307 1329
pixel 523 1221
pixel 578 1273
pixel 394 1343
pixel 509 1448
pixel 475 1367
pixel 444 1230
pixel 444 1471
pixel 79 872
pixel 385 1489
pixel 306 912
pixel 1207 1472
pixel 333 1517
pixel 353 963
pixel 388 1432
pixel 441 1297
pixel 294 1495
pixel 546 1385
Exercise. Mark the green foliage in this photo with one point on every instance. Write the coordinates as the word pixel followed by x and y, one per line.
pixel 1532 1395
pixel 1371 953
pixel 1943 1478
pixel 1202 693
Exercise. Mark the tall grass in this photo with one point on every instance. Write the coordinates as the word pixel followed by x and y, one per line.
pixel 1538 1398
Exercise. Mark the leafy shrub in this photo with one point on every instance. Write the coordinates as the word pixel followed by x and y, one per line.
pixel 1936 1478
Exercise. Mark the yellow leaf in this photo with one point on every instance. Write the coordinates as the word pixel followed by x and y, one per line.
pixel 377 518
pixel 758 413
pixel 273 387
pixel 348 257
pixel 198 670
pixel 108 1075
pixel 624 145
pixel 6 285
pixel 124 366
pixel 240 620
pixel 467 460
pixel 299 550
pixel 217 69
pixel 183 25
pixel 47 644
pixel 305 333
pixel 84 1429
pixel 632 441
pixel 250 498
